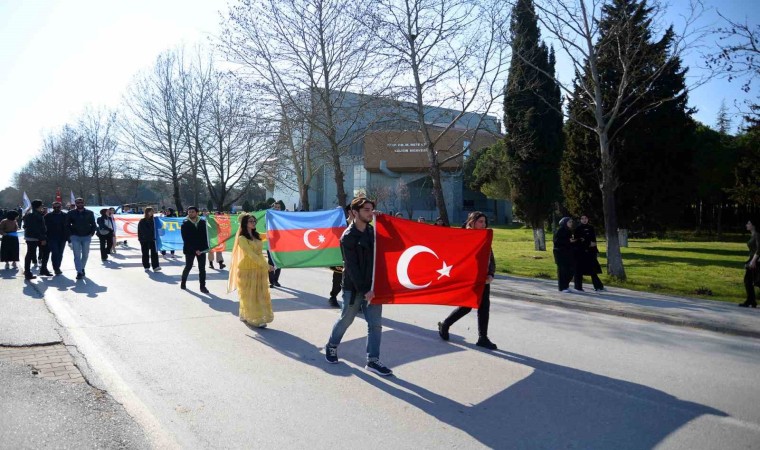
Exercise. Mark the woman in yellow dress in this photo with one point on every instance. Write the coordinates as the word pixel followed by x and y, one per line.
pixel 249 274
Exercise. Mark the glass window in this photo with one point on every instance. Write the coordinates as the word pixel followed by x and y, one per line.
pixel 360 180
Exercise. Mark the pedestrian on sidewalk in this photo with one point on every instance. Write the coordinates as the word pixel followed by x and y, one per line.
pixel 563 254
pixel 9 243
pixel 80 226
pixel 751 271
pixel 477 221
pixel 195 246
pixel 249 275
pixel 105 234
pixel 35 235
pixel 586 252
pixel 146 234
pixel 55 222
pixel 357 245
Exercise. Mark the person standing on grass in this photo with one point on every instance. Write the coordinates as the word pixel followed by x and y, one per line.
pixel 586 252
pixel 55 222
pixel 9 244
pixel 80 226
pixel 195 246
pixel 357 244
pixel 476 221
pixel 146 234
pixel 35 235
pixel 564 254
pixel 751 271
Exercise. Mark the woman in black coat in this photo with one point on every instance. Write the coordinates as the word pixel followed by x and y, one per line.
pixel 105 234
pixel 146 234
pixel 751 271
pixel 585 256
pixel 564 253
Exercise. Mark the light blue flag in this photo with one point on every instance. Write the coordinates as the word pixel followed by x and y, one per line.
pixel 168 234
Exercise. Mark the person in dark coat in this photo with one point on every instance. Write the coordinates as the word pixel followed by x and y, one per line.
pixel 751 271
pixel 146 234
pixel 274 276
pixel 564 253
pixel 105 234
pixel 55 222
pixel 35 235
pixel 195 246
pixel 586 252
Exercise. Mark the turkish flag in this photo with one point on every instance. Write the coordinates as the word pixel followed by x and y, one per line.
pixel 417 263
pixel 58 195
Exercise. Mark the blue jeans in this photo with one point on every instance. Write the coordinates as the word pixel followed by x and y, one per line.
pixel 372 313
pixel 80 245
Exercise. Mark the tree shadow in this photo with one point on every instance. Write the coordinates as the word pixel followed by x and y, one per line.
pixel 707 251
pixel 680 259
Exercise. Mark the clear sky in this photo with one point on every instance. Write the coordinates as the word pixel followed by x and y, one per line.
pixel 58 56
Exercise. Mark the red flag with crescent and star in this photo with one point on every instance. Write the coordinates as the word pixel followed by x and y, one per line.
pixel 417 263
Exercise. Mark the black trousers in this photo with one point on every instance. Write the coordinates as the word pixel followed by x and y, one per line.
pixel 31 255
pixel 54 249
pixel 106 244
pixel 274 277
pixel 483 313
pixel 749 286
pixel 565 273
pixel 578 281
pixel 189 260
pixel 149 254
pixel 336 281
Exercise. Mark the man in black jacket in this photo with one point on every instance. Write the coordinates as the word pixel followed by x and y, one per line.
pixel 80 226
pixel 35 235
pixel 357 245
pixel 55 222
pixel 195 245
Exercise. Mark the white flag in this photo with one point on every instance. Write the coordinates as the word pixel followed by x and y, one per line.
pixel 27 203
pixel 73 199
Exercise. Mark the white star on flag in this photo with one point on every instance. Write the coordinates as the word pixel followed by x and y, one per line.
pixel 321 239
pixel 444 271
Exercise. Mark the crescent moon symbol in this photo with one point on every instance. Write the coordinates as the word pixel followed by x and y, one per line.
pixel 306 239
pixel 402 268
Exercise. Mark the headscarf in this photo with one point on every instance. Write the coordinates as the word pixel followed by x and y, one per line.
pixel 563 221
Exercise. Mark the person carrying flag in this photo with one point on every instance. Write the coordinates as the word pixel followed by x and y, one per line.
pixel 357 246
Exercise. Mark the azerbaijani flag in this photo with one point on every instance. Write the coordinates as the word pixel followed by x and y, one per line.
pixel 305 239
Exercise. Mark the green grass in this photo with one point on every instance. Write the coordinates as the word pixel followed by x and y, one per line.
pixel 667 266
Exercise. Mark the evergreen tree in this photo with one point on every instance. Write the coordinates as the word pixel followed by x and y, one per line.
pixel 649 142
pixel 533 123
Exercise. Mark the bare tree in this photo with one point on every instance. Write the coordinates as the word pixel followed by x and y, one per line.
pixel 305 56
pixel 236 150
pixel 574 26
pixel 97 129
pixel 450 54
pixel 739 51
pixel 152 127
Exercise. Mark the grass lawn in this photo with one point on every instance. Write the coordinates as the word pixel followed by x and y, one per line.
pixel 653 265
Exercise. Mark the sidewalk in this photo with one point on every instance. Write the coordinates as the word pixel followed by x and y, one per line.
pixel 46 402
pixel 709 315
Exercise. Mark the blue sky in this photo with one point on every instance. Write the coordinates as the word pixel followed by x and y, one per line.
pixel 57 57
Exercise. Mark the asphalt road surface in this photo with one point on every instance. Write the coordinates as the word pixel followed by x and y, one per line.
pixel 194 376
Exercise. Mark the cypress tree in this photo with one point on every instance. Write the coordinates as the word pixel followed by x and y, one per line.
pixel 533 123
pixel 649 141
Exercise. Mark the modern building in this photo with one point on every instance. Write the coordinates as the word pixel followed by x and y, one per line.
pixel 385 158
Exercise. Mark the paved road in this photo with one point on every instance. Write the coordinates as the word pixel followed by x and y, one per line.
pixel 194 376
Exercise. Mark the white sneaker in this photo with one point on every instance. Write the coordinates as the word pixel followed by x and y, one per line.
pixel 566 291
pixel 600 290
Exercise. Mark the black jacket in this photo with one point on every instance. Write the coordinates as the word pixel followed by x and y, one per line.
pixel 357 248
pixel 56 226
pixel 34 226
pixel 563 248
pixel 80 223
pixel 146 230
pixel 194 237
pixel 104 223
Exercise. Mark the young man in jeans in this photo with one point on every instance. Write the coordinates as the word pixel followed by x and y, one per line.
pixel 357 245
pixel 80 226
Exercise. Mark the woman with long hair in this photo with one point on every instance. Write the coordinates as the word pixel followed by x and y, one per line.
pixel 105 234
pixel 146 234
pixel 751 271
pixel 249 274
pixel 9 245
pixel 477 221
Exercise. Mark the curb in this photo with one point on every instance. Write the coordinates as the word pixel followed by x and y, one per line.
pixel 639 315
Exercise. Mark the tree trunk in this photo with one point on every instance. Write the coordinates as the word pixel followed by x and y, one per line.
pixel 304 194
pixel 176 195
pixel 608 186
pixel 435 175
pixel 539 239
pixel 623 237
pixel 339 178
pixel 720 220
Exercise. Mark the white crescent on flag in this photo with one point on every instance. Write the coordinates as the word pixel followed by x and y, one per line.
pixel 306 239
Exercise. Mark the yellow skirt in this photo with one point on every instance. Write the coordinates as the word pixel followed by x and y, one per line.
pixel 255 302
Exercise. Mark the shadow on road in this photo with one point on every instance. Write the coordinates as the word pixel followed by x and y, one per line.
pixel 300 350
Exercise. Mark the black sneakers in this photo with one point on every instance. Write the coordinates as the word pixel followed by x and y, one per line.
pixel 485 343
pixel 331 354
pixel 378 368
pixel 333 302
pixel 443 331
